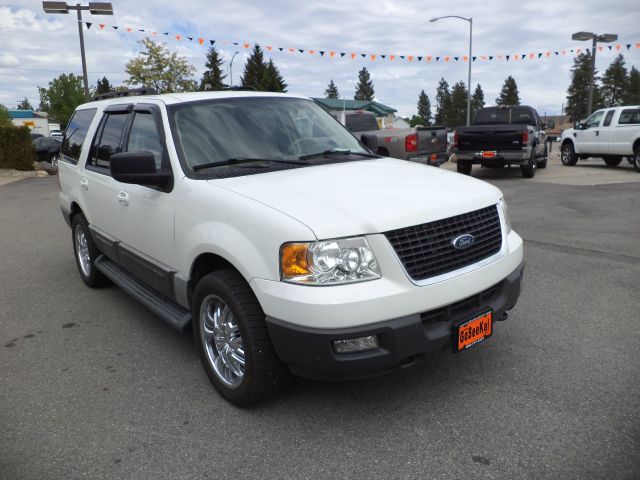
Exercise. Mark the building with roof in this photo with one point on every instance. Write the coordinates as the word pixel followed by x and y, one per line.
pixel 37 122
pixel 383 113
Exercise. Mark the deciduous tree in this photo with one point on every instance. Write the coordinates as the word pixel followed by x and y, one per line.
pixel 364 88
pixel 158 68
pixel 24 104
pixel 5 118
pixel 62 97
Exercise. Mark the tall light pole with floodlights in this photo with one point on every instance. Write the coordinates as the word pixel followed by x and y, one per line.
pixel 231 69
pixel 470 60
pixel 606 38
pixel 95 8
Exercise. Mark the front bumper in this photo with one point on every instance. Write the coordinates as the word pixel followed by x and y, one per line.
pixel 503 157
pixel 402 341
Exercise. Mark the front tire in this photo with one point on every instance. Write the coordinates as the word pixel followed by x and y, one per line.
pixel 543 163
pixel 86 253
pixel 233 342
pixel 464 167
pixel 568 155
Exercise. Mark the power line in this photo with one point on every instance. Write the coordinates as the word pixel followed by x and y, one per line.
pixel 51 71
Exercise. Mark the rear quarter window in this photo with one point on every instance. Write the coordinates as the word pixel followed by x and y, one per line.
pixel 76 133
pixel 630 116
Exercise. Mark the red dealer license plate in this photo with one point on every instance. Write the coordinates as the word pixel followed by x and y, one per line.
pixel 473 331
pixel 489 154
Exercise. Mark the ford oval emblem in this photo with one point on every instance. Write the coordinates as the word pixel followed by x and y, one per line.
pixel 463 241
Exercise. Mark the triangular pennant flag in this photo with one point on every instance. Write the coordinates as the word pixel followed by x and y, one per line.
pixel 353 55
pixel 600 48
pixel 446 59
pixel 455 58
pixel 141 30
pixel 540 55
pixel 269 47
pixel 332 54
pixel 429 57
pixel 578 50
pixel 280 48
pixel 473 59
pixel 363 55
pixel 524 55
pixel 88 25
pixel 154 33
pixel 571 51
pixel 490 57
pixel 618 47
pixel 129 29
pixel 628 46
pixel 419 59
pixel 391 58
pixel 482 57
pixel 465 58
pixel 311 52
pixel 178 37
pixel 383 56
pixel 211 42
pixel 235 43
pixel 609 47
pixel 201 41
pixel 190 39
pixel 321 52
pixel 115 27
pixel 301 50
pixel 638 45
pixel 102 25
pixel 547 54
pixel 402 57
pixel 531 55
pixel 165 33
pixel 292 50
pixel 507 56
pixel 410 58
pixel 246 45
pixel 373 57
pixel 342 54
pixel 556 53
pixel 437 59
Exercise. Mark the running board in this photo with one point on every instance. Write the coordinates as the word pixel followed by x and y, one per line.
pixel 170 312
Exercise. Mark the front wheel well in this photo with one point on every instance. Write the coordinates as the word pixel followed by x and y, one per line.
pixel 205 264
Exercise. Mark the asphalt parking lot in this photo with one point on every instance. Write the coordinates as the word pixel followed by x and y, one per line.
pixel 94 386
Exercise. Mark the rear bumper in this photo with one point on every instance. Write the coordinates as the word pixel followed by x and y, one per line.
pixel 434 159
pixel 519 157
pixel 402 341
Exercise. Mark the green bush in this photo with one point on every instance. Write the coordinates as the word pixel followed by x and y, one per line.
pixel 16 148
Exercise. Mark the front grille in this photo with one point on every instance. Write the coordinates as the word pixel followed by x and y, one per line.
pixel 427 250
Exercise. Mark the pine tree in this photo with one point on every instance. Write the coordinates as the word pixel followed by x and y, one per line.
pixel 103 86
pixel 457 112
pixel 331 91
pixel 424 108
pixel 212 78
pixel 578 92
pixel 254 69
pixel 509 93
pixel 477 100
pixel 271 80
pixel 615 83
pixel 24 104
pixel 633 92
pixel 364 89
pixel 443 102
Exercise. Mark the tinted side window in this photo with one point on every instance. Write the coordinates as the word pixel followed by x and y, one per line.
pixel 144 136
pixel 75 134
pixel 361 123
pixel 108 139
pixel 607 118
pixel 629 116
pixel 594 120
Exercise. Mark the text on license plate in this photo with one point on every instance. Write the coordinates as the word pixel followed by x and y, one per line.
pixel 473 331
pixel 489 154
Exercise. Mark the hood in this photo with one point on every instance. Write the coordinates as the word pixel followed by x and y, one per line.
pixel 365 196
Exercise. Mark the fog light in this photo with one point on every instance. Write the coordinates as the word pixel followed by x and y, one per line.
pixel 359 344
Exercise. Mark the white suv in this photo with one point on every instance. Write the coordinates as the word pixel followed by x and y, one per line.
pixel 290 245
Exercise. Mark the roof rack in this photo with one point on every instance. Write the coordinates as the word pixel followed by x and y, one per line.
pixel 239 89
pixel 127 93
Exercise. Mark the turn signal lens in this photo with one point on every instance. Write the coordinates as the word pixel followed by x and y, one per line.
pixel 294 260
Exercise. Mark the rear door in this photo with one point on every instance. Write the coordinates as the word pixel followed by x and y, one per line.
pixel 606 132
pixel 625 130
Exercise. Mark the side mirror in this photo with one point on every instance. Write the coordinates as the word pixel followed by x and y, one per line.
pixel 370 141
pixel 138 168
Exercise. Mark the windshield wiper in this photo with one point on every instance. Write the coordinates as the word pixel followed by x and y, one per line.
pixel 338 151
pixel 239 160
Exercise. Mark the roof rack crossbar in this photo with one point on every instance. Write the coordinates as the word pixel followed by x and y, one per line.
pixel 126 93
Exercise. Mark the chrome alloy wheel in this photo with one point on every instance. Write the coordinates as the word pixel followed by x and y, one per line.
pixel 222 341
pixel 82 251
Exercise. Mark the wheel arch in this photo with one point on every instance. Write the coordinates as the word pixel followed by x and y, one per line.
pixel 204 264
pixel 636 144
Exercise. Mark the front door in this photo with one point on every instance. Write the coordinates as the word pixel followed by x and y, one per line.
pixel 589 139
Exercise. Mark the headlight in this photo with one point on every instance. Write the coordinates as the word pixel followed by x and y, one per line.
pixel 329 262
pixel 506 214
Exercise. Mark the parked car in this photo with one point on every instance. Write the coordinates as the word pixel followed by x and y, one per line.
pixel 36 135
pixel 56 134
pixel 504 135
pixel 48 149
pixel 288 245
pixel 609 133
pixel 424 144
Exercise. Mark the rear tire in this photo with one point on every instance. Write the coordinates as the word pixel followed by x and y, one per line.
pixel 636 159
pixel 529 170
pixel 233 342
pixel 464 167
pixel 612 161
pixel 568 155
pixel 86 253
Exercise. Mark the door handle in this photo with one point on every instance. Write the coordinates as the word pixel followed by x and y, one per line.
pixel 597 133
pixel 84 183
pixel 123 198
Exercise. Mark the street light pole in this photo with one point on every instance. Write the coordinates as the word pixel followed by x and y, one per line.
pixel 470 59
pixel 95 8
pixel 231 68
pixel 606 38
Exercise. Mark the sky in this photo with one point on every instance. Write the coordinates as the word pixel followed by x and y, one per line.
pixel 37 47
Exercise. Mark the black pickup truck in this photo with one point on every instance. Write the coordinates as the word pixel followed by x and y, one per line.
pixel 499 136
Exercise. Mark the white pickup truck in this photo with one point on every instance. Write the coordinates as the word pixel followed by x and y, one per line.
pixel 288 246
pixel 610 133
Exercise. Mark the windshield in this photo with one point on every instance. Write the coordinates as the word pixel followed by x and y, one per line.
pixel 217 130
